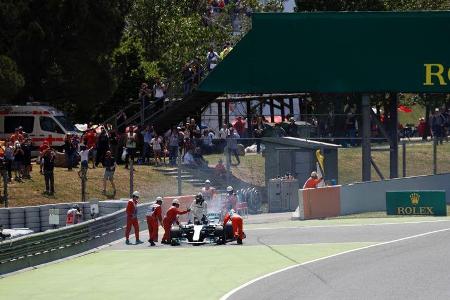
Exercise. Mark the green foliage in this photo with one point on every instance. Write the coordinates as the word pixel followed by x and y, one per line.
pixel 11 81
pixel 338 5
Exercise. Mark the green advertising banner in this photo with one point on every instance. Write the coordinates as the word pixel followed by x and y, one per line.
pixel 430 203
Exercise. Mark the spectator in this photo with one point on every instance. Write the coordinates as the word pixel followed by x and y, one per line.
pixel 69 151
pixel 156 144
pixel 9 159
pixel 84 157
pixel 90 140
pixel 199 159
pixel 232 141
pixel 145 94
pixel 212 59
pixel 42 149
pixel 159 92
pixel 18 162
pixel 226 49
pixel 17 136
pixel 258 130
pixel 278 131
pixel 130 145
pixel 148 136
pixel 292 128
pixel 188 159
pixel 239 126
pixel 110 168
pixel 102 146
pixel 26 147
pixel 174 140
pixel 114 143
pixel 350 128
pixel 207 142
pixel 220 170
pixel 437 124
pixel 422 128
pixel 49 166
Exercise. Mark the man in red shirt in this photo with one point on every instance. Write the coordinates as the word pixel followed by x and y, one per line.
pixel 91 143
pixel 132 219
pixel 312 181
pixel 153 216
pixel 239 126
pixel 170 218
pixel 237 223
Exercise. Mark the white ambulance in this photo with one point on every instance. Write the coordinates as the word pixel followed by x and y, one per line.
pixel 41 123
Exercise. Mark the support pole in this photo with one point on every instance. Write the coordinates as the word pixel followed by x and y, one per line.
pixel 393 128
pixel 282 109
pixel 5 187
pixel 227 112
pixel 131 175
pixel 435 142
pixel 272 111
pixel 366 149
pixel 291 107
pixel 219 113
pixel 179 175
pixel 249 117
pixel 404 159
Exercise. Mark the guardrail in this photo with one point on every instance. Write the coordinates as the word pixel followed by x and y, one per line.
pixel 39 248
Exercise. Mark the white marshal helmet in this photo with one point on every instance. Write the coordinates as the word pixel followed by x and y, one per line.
pixel 176 201
pixel 313 174
pixel 207 181
pixel 159 199
pixel 136 194
pixel 229 188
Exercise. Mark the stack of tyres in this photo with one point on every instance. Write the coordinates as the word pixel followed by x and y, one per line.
pixel 86 209
pixel 32 218
pixel 63 208
pixel 17 217
pixel 4 218
pixel 109 207
pixel 43 212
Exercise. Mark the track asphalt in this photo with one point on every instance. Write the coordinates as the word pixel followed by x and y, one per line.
pixel 412 268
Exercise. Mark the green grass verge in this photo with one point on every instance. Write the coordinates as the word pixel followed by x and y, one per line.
pixel 347 221
pixel 187 273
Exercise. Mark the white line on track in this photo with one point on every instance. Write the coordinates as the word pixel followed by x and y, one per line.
pixel 227 295
pixel 344 225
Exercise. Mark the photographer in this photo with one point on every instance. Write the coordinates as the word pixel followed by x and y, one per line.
pixel 49 166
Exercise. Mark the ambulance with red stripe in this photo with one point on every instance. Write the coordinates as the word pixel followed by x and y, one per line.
pixel 40 122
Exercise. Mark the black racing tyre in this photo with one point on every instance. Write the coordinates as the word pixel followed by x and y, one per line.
pixel 229 232
pixel 175 233
pixel 218 232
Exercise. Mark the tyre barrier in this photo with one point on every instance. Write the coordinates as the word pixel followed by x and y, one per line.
pixel 33 218
pixel 17 217
pixel 35 249
pixel 4 218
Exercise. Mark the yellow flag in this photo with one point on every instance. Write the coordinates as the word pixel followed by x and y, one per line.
pixel 320 159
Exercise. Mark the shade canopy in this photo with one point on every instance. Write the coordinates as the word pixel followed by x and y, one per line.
pixel 338 52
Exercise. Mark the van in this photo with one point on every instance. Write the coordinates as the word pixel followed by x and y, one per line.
pixel 40 122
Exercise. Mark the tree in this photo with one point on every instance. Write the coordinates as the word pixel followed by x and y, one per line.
pixel 338 5
pixel 11 81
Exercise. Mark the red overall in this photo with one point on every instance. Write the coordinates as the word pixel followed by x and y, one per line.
pixel 169 219
pixel 237 223
pixel 132 219
pixel 153 216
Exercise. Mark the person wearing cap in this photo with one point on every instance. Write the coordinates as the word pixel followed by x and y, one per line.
pixel 153 215
pixel 199 210
pixel 208 191
pixel 110 167
pixel 132 219
pixel 230 199
pixel 312 181
pixel 74 215
pixel 237 223
pixel 170 218
pixel 220 170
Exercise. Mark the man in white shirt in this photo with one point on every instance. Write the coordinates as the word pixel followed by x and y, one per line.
pixel 159 91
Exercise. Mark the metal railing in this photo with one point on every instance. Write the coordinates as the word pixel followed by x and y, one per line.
pixel 35 249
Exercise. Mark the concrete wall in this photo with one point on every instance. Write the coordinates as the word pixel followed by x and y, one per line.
pixel 371 196
pixel 36 217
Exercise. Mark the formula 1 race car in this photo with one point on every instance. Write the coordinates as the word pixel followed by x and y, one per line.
pixel 209 231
